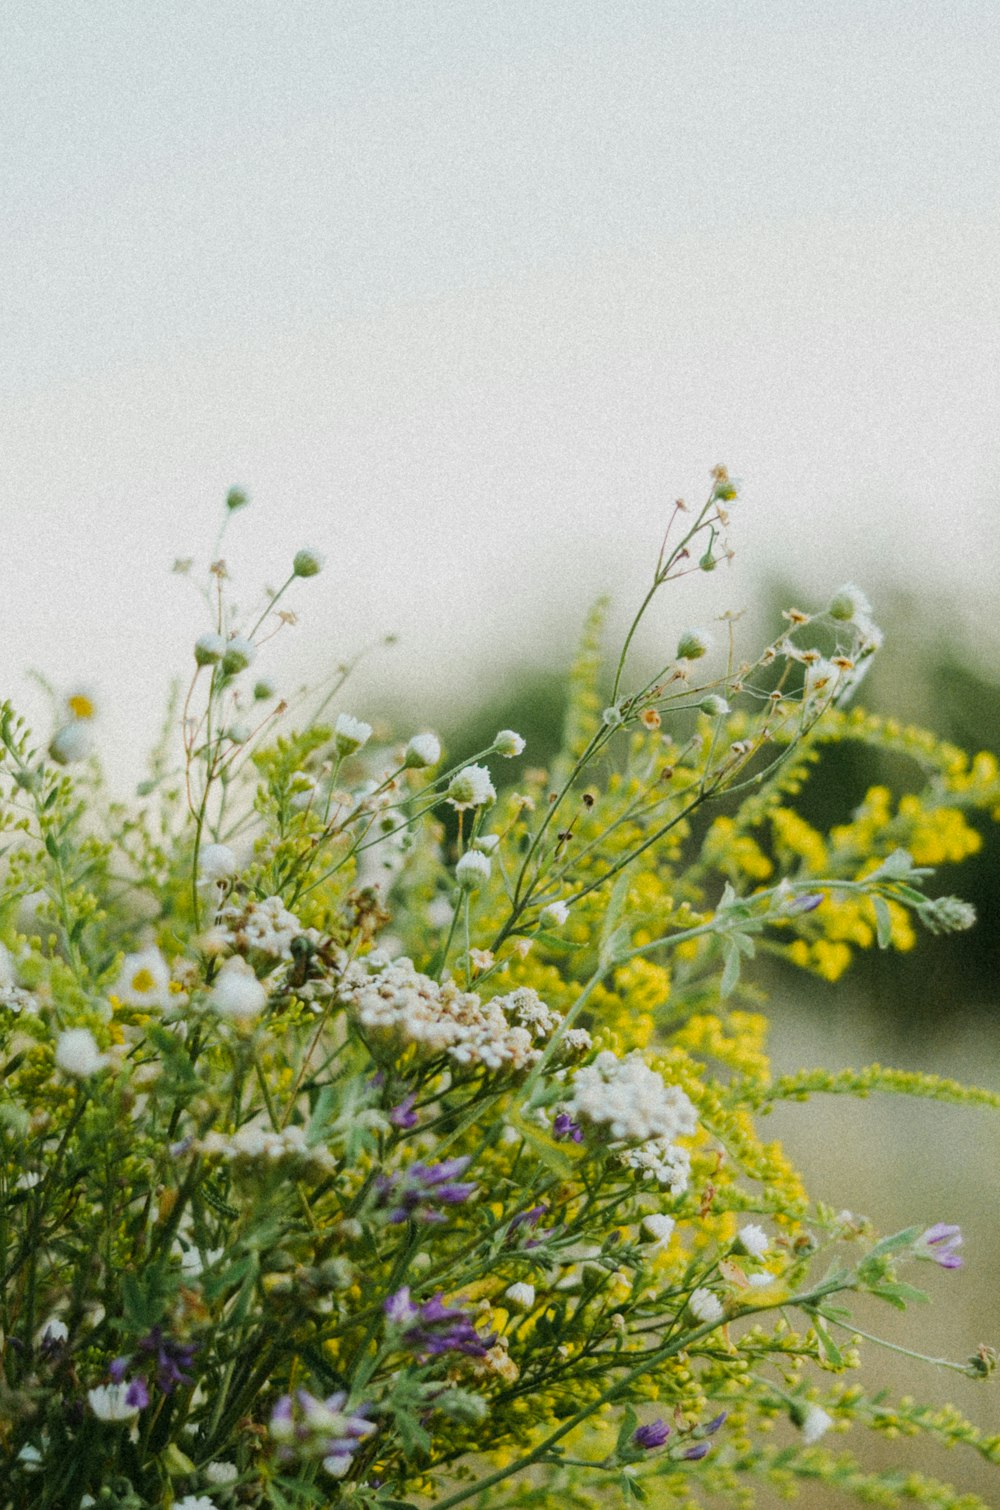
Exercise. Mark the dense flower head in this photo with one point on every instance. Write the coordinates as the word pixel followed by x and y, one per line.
pixel 237 993
pixel 422 750
pixel 307 562
pixel 629 1100
pixel 349 734
pixel 508 744
pixel 417 1192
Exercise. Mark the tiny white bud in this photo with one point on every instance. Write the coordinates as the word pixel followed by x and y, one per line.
pixel 487 844
pixel 350 734
pixel 556 912
pixel 208 649
pixel 848 603
pixel 508 744
pixel 307 563
pixel 704 1306
pixel 815 1424
pixel 472 870
pixel 693 644
pixel 422 750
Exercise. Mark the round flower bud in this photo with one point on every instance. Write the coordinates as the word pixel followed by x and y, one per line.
pixel 262 691
pixel 238 655
pixel 520 1296
pixel 208 649
pixel 77 1053
pixel 238 733
pixel 752 1240
pixel 704 1306
pixel 472 870
pixel 236 498
pixel 350 734
pixel 470 787
pixel 307 563
pixel 556 912
pixel 237 992
pixel 70 743
pixel 487 844
pixel 216 862
pixel 508 744
pixel 714 705
pixel 693 644
pixel 422 750
pixel 849 603
pixel 657 1229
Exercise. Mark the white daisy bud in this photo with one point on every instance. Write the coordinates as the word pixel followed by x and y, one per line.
pixel 307 563
pixel 208 649
pixel 714 705
pixel 422 750
pixel 704 1306
pixel 77 1053
pixel 472 870
pixel 487 844
pixel 216 862
pixel 556 912
pixel 520 1296
pixel 350 734
pixel 238 655
pixel 71 743
pixel 752 1240
pixel 693 644
pixel 471 787
pixel 508 744
pixel 143 980
pixel 237 992
pixel 848 603
pixel 657 1229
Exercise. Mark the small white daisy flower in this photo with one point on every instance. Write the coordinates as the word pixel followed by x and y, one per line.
pixel 472 870
pixel 520 1296
pixel 471 787
pixel 350 733
pixel 704 1306
pixel 556 912
pixel 658 1229
pixel 422 750
pixel 508 744
pixel 815 1424
pixel 143 980
pixel 752 1240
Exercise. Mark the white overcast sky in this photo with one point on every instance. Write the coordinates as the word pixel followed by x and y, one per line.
pixel 464 294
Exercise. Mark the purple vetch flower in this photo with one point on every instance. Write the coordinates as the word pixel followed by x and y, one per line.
pixel 653 1435
pixel 173 1359
pixel 413 1193
pixel 715 1423
pixel 806 903
pixel 403 1116
pixel 698 1451
pixel 939 1243
pixel 433 1328
pixel 564 1127
pixel 137 1394
pixel 303 1426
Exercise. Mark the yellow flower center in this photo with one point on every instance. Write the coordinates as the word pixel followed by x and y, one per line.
pixel 143 980
pixel 80 705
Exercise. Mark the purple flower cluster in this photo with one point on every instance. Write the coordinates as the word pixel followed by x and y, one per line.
pixel 433 1327
pixel 656 1433
pixel 172 1361
pixel 304 1426
pixel 414 1194
pixel 563 1127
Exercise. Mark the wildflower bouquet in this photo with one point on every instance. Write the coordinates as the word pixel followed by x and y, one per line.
pixel 370 1138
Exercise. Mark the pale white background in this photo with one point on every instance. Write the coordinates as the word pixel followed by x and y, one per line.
pixel 465 294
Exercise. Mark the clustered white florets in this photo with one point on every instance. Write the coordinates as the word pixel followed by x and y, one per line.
pixel 471 787
pixel 77 1053
pixel 237 993
pixel 397 1001
pixel 256 1143
pixel 266 926
pixel 634 1105
pixel 704 1306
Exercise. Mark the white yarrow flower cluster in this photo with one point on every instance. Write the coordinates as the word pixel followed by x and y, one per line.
pixel 256 1143
pixel 396 1000
pixel 630 1100
pixel 632 1104
pixel 266 926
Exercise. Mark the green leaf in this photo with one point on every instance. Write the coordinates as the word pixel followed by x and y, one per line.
pixel 883 922
pixel 830 1349
pixel 731 972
